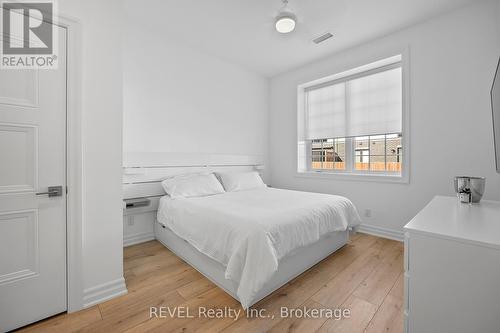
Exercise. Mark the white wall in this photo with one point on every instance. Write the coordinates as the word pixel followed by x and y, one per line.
pixel 177 99
pixel 452 61
pixel 101 95
pixel 181 100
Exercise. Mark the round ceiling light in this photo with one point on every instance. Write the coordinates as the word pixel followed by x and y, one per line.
pixel 286 20
pixel 285 23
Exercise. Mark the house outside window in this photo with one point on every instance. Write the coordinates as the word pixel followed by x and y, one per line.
pixel 353 123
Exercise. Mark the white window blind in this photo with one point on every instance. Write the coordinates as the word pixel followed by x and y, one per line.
pixel 326 114
pixel 367 103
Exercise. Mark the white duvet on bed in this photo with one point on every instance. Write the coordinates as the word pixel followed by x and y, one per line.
pixel 250 231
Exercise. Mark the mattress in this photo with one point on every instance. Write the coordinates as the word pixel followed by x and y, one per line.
pixel 249 232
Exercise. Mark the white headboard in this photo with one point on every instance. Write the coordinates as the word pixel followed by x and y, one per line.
pixel 142 176
pixel 143 172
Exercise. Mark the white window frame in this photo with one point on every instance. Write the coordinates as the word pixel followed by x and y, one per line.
pixel 373 66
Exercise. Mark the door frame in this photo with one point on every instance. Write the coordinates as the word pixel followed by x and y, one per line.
pixel 74 164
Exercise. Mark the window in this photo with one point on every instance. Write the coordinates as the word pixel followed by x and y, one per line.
pixel 352 123
pixel 328 154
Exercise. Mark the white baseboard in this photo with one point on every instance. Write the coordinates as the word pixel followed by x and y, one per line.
pixel 381 232
pixel 138 238
pixel 104 292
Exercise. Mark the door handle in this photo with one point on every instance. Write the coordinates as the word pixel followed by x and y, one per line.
pixel 53 191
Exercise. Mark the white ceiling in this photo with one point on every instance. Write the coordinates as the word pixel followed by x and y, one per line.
pixel 243 32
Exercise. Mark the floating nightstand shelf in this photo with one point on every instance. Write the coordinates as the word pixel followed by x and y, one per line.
pixel 136 203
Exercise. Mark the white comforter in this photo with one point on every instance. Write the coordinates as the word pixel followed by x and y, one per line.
pixel 250 231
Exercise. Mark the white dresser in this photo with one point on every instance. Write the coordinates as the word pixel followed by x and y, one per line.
pixel 452 268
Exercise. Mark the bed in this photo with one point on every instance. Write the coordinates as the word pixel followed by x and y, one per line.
pixel 250 243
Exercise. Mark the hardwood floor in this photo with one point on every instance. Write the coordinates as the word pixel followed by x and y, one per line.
pixel 365 276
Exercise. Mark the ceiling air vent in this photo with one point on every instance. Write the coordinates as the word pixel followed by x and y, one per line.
pixel 322 38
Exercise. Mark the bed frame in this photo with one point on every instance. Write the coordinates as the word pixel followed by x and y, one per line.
pixel 289 267
pixel 143 173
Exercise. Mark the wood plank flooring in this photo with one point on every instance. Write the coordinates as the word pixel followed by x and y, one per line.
pixel 365 276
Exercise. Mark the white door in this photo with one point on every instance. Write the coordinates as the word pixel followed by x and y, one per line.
pixel 32 227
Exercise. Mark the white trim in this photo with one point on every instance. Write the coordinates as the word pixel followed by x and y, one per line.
pixel 78 297
pixel 373 177
pixel 405 172
pixel 365 70
pixel 138 238
pixel 397 235
pixel 104 292
pixel 74 151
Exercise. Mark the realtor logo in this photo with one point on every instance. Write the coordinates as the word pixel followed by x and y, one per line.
pixel 28 35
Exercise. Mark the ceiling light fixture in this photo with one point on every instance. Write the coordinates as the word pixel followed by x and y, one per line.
pixel 286 20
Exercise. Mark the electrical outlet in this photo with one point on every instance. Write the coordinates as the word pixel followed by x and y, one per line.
pixel 368 213
pixel 130 221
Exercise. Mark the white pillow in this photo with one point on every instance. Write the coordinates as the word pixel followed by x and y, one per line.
pixel 238 181
pixel 195 185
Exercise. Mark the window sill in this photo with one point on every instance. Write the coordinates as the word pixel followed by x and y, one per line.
pixel 380 178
